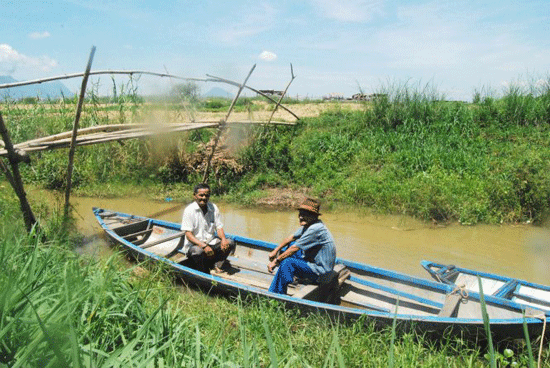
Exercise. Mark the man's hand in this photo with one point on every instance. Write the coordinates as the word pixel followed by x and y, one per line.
pixel 225 244
pixel 271 266
pixel 272 255
pixel 208 250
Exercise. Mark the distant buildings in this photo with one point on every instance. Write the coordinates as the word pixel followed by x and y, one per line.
pixel 355 97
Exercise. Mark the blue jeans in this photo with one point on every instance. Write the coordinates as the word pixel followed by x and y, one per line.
pixel 289 268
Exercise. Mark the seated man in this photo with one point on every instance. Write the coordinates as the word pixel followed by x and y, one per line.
pixel 205 242
pixel 317 246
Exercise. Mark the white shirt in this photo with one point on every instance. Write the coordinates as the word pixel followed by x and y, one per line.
pixel 203 226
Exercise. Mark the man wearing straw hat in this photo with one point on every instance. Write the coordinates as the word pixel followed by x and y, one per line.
pixel 317 246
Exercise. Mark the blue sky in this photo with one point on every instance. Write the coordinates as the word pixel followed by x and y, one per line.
pixel 335 46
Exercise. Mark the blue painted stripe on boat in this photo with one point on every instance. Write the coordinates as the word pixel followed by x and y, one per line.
pixel 259 243
pixel 428 284
pixel 427 264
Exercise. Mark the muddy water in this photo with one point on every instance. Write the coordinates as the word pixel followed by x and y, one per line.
pixel 394 242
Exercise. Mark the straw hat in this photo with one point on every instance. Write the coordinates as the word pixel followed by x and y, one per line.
pixel 311 205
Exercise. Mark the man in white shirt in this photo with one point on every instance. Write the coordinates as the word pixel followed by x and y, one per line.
pixel 205 242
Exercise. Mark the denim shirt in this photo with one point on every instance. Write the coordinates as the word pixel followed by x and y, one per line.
pixel 317 246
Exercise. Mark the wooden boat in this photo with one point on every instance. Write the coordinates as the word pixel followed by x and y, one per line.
pixel 361 290
pixel 506 288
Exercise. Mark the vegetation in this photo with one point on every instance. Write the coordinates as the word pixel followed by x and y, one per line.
pixel 412 152
pixel 58 309
pixel 408 151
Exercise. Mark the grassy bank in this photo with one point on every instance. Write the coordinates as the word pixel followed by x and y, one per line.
pixel 58 309
pixel 409 151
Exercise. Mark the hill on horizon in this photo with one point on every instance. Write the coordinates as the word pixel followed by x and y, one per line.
pixel 46 90
pixel 217 92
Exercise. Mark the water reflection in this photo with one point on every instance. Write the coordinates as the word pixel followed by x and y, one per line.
pixel 395 242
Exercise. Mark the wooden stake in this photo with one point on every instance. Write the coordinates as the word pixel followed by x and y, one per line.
pixel 283 95
pixel 223 123
pixel 75 131
pixel 14 178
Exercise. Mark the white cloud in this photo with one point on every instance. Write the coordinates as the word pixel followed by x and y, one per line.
pixel 39 35
pixel 349 10
pixel 268 56
pixel 12 61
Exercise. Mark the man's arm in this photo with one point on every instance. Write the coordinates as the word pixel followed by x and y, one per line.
pixel 191 237
pixel 283 244
pixel 287 253
pixel 225 241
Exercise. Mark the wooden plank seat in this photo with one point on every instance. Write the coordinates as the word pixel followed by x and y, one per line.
pixel 450 306
pixel 356 299
pixel 330 287
pixel 143 232
pixel 132 228
pixel 248 264
pixel 246 276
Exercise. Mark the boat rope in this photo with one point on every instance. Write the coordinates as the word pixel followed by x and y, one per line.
pixel 541 316
pixel 462 291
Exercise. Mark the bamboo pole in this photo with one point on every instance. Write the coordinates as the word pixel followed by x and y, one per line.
pixel 101 134
pixel 99 72
pixel 223 123
pixel 15 180
pixel 283 95
pixel 75 131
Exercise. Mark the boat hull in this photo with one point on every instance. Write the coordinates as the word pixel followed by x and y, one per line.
pixel 382 296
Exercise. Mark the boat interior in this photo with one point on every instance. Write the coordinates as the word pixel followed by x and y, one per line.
pixel 357 287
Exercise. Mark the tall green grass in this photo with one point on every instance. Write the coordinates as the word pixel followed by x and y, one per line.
pixel 410 151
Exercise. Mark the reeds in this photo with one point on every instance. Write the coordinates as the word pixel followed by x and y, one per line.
pixel 410 151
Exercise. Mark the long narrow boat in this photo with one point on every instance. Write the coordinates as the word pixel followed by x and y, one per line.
pixel 381 295
pixel 506 288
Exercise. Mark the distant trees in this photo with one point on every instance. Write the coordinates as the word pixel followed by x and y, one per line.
pixel 188 91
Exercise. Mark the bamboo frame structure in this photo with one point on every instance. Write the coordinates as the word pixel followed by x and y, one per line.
pixel 117 132
pixel 210 78
pixel 283 94
pixel 106 133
